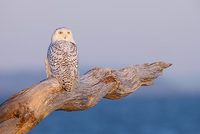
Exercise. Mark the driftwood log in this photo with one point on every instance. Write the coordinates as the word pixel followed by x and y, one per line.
pixel 24 110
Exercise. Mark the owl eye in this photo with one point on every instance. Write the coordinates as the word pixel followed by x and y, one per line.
pixel 60 32
pixel 68 32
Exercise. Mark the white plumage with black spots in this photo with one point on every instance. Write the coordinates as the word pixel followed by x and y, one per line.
pixel 62 59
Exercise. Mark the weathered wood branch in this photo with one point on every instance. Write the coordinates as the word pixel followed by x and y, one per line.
pixel 23 111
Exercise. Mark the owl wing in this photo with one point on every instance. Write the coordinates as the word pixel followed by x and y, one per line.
pixel 48 69
pixel 63 62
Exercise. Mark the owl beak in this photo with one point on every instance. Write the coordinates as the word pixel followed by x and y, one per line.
pixel 65 37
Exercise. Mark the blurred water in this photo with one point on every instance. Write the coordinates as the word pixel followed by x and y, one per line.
pixel 128 116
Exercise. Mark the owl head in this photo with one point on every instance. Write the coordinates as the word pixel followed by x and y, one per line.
pixel 63 34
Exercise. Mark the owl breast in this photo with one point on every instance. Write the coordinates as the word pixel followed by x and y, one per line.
pixel 63 61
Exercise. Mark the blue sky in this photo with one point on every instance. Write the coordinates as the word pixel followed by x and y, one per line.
pixel 114 33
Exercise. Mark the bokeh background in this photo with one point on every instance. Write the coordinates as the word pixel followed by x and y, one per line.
pixel 115 34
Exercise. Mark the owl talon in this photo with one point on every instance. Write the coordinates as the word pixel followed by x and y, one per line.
pixel 67 90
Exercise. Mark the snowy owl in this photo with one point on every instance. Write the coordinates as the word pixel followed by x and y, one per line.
pixel 62 59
